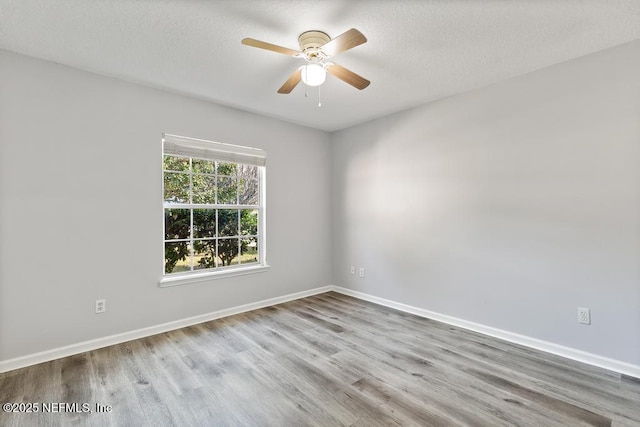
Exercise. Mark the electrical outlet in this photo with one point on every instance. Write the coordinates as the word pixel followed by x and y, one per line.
pixel 353 270
pixel 101 306
pixel 584 315
pixel 362 272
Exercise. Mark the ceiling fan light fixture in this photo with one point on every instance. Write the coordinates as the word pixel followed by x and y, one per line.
pixel 313 74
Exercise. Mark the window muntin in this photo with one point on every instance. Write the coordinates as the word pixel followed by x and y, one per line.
pixel 213 212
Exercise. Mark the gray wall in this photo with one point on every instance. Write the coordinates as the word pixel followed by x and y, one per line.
pixel 81 209
pixel 509 206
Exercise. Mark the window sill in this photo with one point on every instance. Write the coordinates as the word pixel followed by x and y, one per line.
pixel 211 275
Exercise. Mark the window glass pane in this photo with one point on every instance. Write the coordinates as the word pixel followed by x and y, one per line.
pixel 249 251
pixel 204 189
pixel 204 223
pixel 203 166
pixel 227 190
pixel 177 224
pixel 176 187
pixel 228 252
pixel 249 222
pixel 227 222
pixel 173 163
pixel 227 169
pixel 204 254
pixel 177 257
pixel 247 191
pixel 248 171
pixel 208 237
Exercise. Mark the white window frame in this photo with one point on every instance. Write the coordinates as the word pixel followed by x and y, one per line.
pixel 216 151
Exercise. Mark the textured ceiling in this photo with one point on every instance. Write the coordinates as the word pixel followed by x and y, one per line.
pixel 417 51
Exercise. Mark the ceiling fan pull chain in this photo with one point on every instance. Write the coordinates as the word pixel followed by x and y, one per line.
pixel 319 103
pixel 306 90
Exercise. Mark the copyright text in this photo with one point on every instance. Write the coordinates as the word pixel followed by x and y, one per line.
pixel 56 407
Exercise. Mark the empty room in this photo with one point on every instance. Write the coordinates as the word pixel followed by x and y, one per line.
pixel 327 213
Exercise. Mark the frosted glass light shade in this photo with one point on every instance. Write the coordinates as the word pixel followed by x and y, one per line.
pixel 313 74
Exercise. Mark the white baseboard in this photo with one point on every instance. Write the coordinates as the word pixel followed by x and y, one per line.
pixel 568 352
pixel 69 350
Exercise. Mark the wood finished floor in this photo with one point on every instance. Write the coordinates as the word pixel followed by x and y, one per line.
pixel 324 360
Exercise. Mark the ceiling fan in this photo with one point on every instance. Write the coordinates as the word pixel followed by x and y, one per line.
pixel 316 47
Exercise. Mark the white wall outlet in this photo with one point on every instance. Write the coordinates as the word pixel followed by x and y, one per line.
pixel 353 270
pixel 584 315
pixel 101 306
pixel 362 272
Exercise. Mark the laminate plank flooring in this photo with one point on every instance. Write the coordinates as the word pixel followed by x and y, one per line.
pixel 326 360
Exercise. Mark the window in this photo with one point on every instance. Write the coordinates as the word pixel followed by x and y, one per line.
pixel 213 202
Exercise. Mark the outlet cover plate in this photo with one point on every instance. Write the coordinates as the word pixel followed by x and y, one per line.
pixel 584 315
pixel 101 306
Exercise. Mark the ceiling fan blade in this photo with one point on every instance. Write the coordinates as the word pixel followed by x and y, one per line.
pixel 347 76
pixel 269 46
pixel 291 82
pixel 344 41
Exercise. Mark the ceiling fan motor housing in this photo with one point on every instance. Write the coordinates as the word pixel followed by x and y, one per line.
pixel 312 41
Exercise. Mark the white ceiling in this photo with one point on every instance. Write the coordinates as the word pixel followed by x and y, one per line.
pixel 417 51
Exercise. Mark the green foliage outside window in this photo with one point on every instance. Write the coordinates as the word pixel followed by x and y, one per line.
pixel 209 235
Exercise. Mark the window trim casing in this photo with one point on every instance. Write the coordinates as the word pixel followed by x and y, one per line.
pixel 167 280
